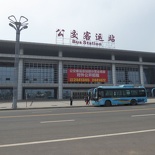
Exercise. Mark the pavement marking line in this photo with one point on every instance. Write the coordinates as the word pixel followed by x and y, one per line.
pixel 39 112
pixel 58 121
pixel 144 115
pixel 76 138
pixel 77 113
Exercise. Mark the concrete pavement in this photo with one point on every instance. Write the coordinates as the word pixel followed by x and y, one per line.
pixel 49 104
pixel 42 104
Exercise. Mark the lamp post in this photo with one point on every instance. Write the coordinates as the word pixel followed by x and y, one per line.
pixel 18 26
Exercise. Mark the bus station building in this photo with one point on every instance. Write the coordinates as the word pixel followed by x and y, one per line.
pixel 54 71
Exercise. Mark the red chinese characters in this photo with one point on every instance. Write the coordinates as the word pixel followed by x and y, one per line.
pixel 88 40
pixel 74 34
pixel 87 35
pixel 111 38
pixel 99 37
pixel 60 33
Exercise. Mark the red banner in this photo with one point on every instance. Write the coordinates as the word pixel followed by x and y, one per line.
pixel 87 75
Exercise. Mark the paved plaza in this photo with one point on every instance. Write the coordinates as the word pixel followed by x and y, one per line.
pixel 50 104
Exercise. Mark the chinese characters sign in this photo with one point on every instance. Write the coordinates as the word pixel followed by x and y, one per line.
pixel 60 33
pixel 96 39
pixel 87 75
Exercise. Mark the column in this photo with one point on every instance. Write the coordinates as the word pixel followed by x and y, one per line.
pixel 20 77
pixel 60 77
pixel 141 72
pixel 113 71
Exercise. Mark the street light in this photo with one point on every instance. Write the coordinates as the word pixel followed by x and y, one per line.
pixel 18 26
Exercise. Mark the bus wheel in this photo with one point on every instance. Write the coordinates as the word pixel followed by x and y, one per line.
pixel 133 102
pixel 107 103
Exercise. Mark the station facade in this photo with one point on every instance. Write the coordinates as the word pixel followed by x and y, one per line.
pixel 52 71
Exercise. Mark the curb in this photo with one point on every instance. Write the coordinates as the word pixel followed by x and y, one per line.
pixel 54 107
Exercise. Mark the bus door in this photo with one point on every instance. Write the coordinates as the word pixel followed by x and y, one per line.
pixel 95 94
pixel 153 92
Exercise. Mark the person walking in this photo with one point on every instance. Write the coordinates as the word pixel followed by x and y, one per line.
pixel 87 100
pixel 71 100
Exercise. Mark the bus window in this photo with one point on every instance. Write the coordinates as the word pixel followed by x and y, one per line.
pixel 126 93
pixel 117 93
pixel 100 93
pixel 142 92
pixel 134 92
pixel 108 93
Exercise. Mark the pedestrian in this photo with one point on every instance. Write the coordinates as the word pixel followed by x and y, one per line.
pixel 87 100
pixel 71 100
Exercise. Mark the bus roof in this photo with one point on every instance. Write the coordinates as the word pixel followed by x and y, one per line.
pixel 121 86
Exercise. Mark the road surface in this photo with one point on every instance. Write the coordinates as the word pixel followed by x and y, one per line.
pixel 117 130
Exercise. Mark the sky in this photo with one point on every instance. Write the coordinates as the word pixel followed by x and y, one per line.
pixel 132 22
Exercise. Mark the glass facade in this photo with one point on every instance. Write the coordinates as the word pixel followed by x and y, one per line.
pixel 77 94
pixel 6 94
pixel 6 72
pixel 66 93
pixel 127 74
pixel 47 72
pixel 149 74
pixel 40 72
pixel 34 94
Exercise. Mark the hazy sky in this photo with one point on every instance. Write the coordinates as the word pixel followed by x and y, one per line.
pixel 131 21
